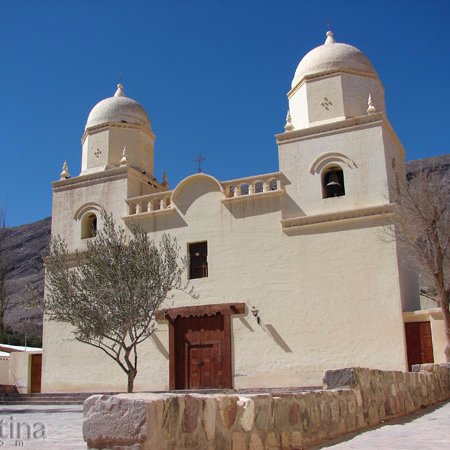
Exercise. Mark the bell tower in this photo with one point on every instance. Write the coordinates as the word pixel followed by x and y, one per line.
pixel 118 127
pixel 331 83
pixel 339 152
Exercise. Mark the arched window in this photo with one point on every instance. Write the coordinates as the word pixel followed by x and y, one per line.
pixel 333 182
pixel 89 226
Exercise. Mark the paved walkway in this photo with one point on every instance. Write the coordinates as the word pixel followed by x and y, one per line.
pixel 23 426
pixel 428 429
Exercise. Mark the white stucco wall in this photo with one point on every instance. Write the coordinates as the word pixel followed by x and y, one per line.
pixel 333 97
pixel 328 298
pixel 4 371
pixel 329 293
pixel 20 370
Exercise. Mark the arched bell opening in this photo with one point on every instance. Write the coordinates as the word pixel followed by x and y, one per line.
pixel 89 226
pixel 333 182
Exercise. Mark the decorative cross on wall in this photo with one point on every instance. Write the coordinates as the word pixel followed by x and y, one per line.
pixel 326 103
pixel 97 153
pixel 200 158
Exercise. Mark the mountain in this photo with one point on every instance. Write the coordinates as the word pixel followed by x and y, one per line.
pixel 26 246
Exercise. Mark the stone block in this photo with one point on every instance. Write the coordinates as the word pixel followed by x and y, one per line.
pixel 315 422
pixel 247 419
pixel 281 410
pixel 191 415
pixel 294 413
pixel 263 412
pixel 190 441
pixel 113 421
pixel 325 413
pixel 228 409
pixel 334 410
pixel 272 442
pixel 255 442
pixel 239 441
pixel 209 417
pixel 359 398
pixel 339 378
pixel 173 407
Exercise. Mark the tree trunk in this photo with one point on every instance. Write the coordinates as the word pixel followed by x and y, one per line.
pixel 446 314
pixel 131 376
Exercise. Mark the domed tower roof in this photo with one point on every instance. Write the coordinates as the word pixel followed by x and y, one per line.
pixel 118 109
pixel 332 57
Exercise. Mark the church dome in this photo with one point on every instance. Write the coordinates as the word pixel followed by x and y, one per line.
pixel 333 57
pixel 118 109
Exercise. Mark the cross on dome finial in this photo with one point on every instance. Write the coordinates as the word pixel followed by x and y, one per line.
pixel 120 92
pixel 330 38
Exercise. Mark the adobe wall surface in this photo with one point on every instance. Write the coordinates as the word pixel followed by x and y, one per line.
pixel 4 371
pixel 296 281
pixel 352 399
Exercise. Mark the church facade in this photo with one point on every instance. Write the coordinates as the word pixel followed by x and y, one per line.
pixel 291 269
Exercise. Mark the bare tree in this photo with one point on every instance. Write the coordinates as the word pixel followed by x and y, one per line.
pixel 112 291
pixel 422 225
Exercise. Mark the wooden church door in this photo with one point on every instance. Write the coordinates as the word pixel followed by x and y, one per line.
pixel 419 343
pixel 202 352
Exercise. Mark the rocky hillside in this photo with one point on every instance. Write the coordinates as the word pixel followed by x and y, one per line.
pixel 27 245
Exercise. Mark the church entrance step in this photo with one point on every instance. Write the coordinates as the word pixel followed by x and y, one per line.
pixel 45 399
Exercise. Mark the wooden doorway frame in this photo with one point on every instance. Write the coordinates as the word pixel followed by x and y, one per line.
pixel 225 309
pixel 35 364
pixel 419 342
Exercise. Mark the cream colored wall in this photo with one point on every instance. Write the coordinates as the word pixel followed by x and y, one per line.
pixel 20 370
pixel 95 140
pixel 139 148
pixel 4 371
pixel 103 147
pixel 107 193
pixel 365 175
pixel 327 298
pixel 332 98
pixel 356 91
pixel 317 91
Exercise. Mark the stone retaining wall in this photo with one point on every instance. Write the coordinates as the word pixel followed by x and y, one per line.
pixel 352 399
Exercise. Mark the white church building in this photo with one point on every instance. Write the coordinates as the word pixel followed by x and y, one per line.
pixel 291 268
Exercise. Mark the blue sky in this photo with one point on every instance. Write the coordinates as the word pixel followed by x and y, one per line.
pixel 212 75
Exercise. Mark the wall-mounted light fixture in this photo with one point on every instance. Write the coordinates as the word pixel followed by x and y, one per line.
pixel 255 313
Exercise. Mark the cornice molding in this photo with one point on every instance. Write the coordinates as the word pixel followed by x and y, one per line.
pixel 104 126
pixel 330 127
pixel 336 216
pixel 90 179
pixel 103 176
pixel 328 74
pixel 346 125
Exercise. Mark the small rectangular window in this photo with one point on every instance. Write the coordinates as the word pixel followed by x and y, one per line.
pixel 198 260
